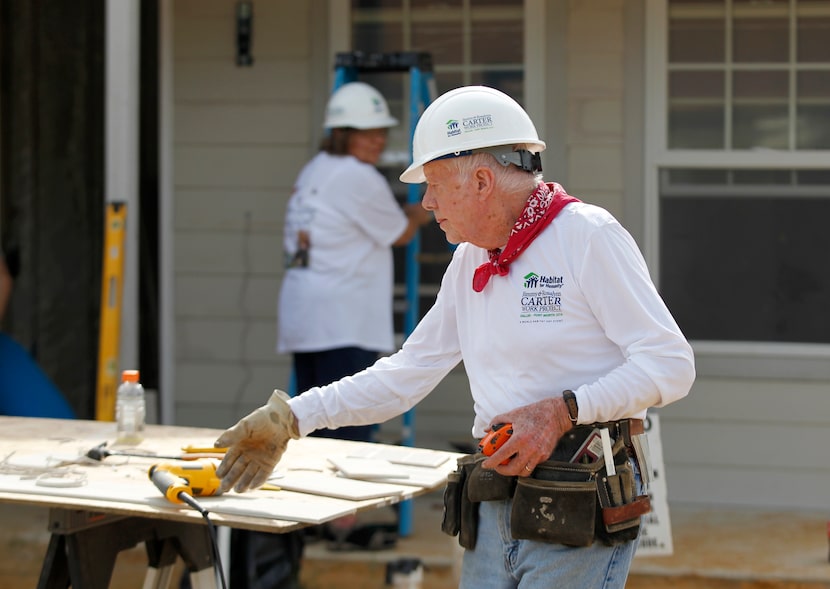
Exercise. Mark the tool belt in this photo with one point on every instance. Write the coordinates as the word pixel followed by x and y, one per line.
pixel 568 499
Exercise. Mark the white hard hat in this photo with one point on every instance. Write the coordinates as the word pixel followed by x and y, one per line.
pixel 465 119
pixel 359 106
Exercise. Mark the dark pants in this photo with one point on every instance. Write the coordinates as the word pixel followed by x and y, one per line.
pixel 260 560
pixel 314 369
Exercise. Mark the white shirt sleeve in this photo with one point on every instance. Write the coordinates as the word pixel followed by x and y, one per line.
pixel 658 362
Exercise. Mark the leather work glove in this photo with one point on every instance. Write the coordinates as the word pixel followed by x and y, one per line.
pixel 255 444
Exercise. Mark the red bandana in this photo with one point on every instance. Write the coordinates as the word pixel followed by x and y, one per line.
pixel 541 207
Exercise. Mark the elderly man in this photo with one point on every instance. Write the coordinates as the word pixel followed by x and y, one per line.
pixel 563 335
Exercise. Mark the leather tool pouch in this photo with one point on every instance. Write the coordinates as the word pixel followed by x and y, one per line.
pixel 557 503
pixel 487 485
pixel 451 521
pixel 575 504
pixel 460 514
pixel 620 507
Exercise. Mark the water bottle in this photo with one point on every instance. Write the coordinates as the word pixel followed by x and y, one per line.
pixel 130 409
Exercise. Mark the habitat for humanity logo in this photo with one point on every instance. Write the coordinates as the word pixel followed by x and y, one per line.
pixel 453 128
pixel 533 280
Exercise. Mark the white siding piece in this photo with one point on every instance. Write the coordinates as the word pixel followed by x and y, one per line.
pixel 749 446
pixel 267 166
pixel 207 414
pixel 245 385
pixel 595 84
pixel 225 340
pixel 203 38
pixel 599 23
pixel 600 119
pixel 231 210
pixel 769 487
pixel 268 81
pixel 274 35
pixel 240 136
pixel 227 296
pixel 596 45
pixel 243 124
pixel 594 167
pixel 595 74
pixel 767 401
pixel 749 442
pixel 227 253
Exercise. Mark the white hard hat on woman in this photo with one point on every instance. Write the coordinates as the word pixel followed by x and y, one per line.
pixel 358 105
pixel 474 119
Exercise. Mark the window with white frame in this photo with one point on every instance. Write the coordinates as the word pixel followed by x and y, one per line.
pixel 745 74
pixel 744 169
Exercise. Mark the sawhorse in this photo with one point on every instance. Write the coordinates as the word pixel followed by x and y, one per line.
pixel 84 546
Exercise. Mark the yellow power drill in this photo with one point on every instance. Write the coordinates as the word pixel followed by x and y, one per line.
pixel 180 481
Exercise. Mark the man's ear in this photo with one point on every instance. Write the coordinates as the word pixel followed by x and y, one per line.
pixel 485 180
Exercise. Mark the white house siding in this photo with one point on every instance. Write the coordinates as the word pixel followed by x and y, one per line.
pixel 240 136
pixel 749 443
pixel 594 77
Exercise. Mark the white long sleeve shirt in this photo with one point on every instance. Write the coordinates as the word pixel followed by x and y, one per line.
pixel 577 311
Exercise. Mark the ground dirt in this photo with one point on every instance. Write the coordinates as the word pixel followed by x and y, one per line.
pixel 713 549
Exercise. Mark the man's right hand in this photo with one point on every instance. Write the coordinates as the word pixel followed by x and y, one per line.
pixel 255 444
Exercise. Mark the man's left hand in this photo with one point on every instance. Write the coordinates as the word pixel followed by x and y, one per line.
pixel 536 430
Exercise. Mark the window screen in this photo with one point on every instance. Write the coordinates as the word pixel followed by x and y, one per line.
pixel 745 255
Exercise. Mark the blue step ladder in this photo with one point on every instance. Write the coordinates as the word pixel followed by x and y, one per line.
pixel 422 91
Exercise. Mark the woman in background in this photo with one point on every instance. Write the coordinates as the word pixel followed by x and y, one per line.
pixel 342 220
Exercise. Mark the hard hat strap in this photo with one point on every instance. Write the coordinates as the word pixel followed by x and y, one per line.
pixel 526 160
pixel 505 155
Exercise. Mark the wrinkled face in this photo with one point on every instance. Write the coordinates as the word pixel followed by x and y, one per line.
pixel 453 200
pixel 367 144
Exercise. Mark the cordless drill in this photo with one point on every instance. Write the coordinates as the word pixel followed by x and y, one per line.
pixel 179 482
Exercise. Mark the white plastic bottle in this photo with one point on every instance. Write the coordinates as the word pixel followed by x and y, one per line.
pixel 130 409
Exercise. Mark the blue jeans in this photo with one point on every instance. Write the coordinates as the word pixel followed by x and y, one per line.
pixel 500 562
